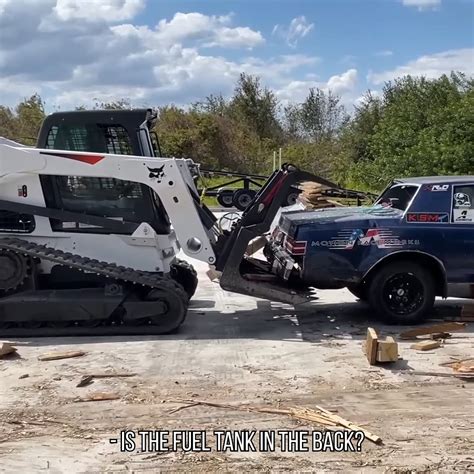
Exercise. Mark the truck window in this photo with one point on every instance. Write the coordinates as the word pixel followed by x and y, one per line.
pixel 463 204
pixel 398 196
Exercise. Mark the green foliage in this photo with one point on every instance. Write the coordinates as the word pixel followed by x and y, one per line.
pixel 415 126
pixel 24 122
pixel 424 127
pixel 320 117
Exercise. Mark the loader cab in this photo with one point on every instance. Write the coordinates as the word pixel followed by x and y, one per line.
pixel 121 132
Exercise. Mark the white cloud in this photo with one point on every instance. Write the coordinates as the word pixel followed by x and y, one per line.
pixel 208 31
pixel 430 66
pixel 97 10
pixel 422 4
pixel 297 29
pixel 343 85
pixel 71 61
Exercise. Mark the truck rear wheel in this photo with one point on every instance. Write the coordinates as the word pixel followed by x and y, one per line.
pixel 402 292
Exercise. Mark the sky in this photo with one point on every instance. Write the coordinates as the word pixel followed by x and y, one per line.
pixel 158 52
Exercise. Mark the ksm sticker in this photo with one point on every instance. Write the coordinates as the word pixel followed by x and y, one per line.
pixel 425 217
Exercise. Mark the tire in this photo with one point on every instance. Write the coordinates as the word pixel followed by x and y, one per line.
pixel 225 198
pixel 242 198
pixel 185 274
pixel 291 198
pixel 359 291
pixel 402 292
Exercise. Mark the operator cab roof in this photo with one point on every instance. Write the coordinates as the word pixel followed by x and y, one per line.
pixel 434 179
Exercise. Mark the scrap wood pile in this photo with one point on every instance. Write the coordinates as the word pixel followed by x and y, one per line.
pixel 320 415
pixel 462 367
pixel 312 196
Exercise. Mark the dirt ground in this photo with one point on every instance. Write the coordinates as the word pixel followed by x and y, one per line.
pixel 235 349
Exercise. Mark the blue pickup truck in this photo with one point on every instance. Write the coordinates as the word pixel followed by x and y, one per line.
pixel 415 243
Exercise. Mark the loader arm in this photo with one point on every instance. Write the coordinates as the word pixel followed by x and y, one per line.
pixel 256 221
pixel 170 179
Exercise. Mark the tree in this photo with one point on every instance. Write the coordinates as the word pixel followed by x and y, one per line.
pixel 319 117
pixel 257 106
pixel 24 122
pixel 425 127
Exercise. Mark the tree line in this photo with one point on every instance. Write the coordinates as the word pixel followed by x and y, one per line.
pixel 414 126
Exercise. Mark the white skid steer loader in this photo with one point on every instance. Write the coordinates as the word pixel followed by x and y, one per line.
pixel 88 239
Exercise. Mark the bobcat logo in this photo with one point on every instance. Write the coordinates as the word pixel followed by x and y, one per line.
pixel 156 172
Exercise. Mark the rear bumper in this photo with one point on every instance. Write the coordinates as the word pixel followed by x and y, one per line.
pixel 283 264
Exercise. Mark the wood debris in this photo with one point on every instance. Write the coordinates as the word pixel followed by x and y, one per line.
pixel 387 351
pixel 60 355
pixel 320 415
pixel 86 380
pixel 441 335
pixel 434 329
pixel 426 345
pixel 312 196
pixel 213 274
pixel 98 397
pixel 371 346
pixel 380 351
pixel 107 375
pixel 467 376
pixel 466 367
pixel 7 349
pixel 462 366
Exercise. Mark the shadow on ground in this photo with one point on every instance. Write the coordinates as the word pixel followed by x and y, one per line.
pixel 312 323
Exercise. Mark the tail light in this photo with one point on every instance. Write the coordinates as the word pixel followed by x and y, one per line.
pixel 295 247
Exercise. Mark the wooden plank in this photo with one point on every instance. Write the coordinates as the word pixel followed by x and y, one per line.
pixel 435 328
pixel 320 415
pixel 456 361
pixel 371 346
pixel 60 355
pixel 387 351
pixel 351 426
pixel 106 375
pixel 7 349
pixel 426 345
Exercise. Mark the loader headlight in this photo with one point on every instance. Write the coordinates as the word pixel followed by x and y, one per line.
pixel 194 244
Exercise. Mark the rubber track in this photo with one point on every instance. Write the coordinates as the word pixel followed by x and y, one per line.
pixel 85 264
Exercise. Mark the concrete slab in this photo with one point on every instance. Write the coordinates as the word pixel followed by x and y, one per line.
pixel 236 349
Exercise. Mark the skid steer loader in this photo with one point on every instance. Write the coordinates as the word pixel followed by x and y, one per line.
pixel 91 222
